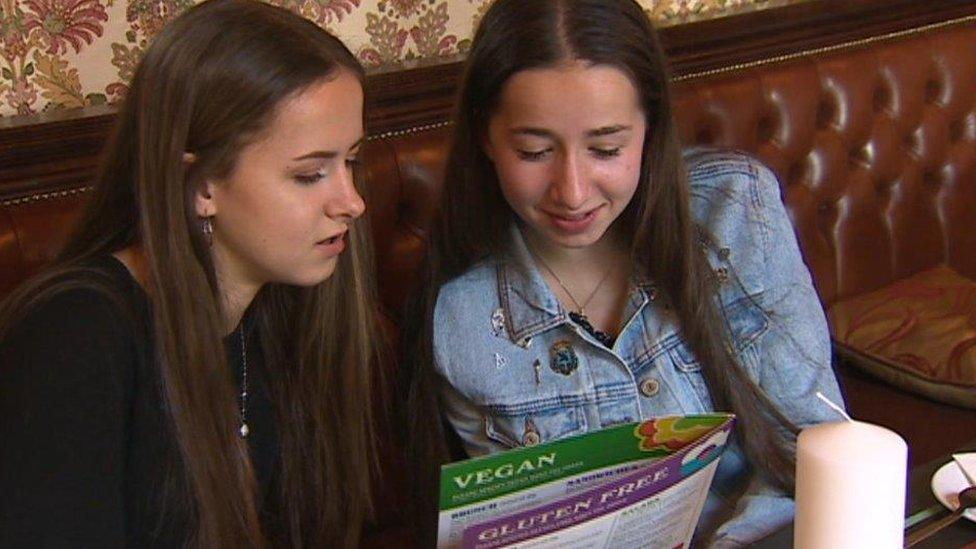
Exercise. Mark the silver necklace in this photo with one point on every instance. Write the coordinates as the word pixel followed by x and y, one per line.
pixel 579 307
pixel 244 430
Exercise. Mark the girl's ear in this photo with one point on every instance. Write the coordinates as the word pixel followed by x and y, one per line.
pixel 203 199
pixel 486 145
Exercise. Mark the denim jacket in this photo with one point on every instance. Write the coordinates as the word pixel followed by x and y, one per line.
pixel 516 370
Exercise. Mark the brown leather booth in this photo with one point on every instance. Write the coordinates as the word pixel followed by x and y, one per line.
pixel 873 140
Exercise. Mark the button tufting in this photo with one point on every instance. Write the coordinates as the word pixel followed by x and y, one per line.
pixel 881 98
pixel 796 173
pixel 860 156
pixel 826 113
pixel 704 136
pixel 932 91
pixel 910 141
pixel 764 129
pixel 955 131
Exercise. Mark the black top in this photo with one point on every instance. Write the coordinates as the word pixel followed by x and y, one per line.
pixel 84 443
pixel 606 339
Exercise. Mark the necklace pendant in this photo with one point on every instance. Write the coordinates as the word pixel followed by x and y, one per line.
pixel 244 430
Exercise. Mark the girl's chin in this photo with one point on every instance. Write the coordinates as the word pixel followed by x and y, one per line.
pixel 562 240
pixel 312 276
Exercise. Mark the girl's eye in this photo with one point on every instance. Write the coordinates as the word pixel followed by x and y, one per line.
pixel 531 155
pixel 310 178
pixel 606 153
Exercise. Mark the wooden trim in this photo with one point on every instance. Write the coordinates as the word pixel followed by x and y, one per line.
pixel 798 27
pixel 60 149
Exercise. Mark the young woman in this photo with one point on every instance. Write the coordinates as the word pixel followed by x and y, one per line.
pixel 588 272
pixel 194 368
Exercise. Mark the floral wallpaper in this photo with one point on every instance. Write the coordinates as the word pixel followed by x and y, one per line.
pixel 57 54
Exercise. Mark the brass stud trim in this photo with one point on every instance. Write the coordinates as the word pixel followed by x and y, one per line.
pixel 827 49
pixel 409 131
pixel 53 195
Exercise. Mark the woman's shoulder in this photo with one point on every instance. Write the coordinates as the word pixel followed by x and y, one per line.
pixel 737 206
pixel 79 331
pixel 465 306
pixel 478 280
pixel 95 299
pixel 733 195
pixel 720 159
pixel 728 174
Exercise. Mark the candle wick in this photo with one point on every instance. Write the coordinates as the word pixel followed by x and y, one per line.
pixel 836 408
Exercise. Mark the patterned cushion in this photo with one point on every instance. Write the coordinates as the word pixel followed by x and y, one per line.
pixel 918 333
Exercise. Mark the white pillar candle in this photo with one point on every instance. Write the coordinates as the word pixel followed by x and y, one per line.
pixel 850 487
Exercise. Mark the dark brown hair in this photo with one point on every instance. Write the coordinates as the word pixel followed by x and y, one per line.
pixel 209 84
pixel 517 35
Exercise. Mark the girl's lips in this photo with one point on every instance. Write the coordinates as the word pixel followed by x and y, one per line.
pixel 334 245
pixel 572 224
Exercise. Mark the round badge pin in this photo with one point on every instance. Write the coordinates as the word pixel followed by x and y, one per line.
pixel 562 358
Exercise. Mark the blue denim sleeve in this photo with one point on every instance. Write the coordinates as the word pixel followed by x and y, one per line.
pixel 468 420
pixel 794 356
pixel 453 324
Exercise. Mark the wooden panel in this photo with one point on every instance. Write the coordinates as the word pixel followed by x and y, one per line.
pixel 60 150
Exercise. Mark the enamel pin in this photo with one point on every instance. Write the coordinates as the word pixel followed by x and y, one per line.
pixel 498 322
pixel 562 358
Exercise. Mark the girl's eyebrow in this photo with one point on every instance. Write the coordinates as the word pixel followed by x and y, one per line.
pixel 328 154
pixel 317 154
pixel 608 130
pixel 536 132
pixel 598 132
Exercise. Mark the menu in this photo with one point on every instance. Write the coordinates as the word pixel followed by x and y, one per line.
pixel 633 485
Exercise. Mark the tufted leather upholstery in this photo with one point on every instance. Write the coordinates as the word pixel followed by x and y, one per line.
pixel 31 232
pixel 875 150
pixel 874 145
pixel 404 175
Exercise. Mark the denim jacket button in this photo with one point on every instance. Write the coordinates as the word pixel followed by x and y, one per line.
pixel 649 387
pixel 531 438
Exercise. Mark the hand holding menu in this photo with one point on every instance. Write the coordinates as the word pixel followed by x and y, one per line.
pixel 634 485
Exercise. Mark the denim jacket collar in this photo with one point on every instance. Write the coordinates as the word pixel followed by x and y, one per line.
pixel 529 305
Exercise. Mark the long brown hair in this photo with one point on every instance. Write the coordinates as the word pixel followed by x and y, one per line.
pixel 514 36
pixel 209 84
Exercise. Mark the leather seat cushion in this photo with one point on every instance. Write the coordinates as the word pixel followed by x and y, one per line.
pixel 918 333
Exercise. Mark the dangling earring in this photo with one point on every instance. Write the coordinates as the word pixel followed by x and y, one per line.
pixel 208 230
